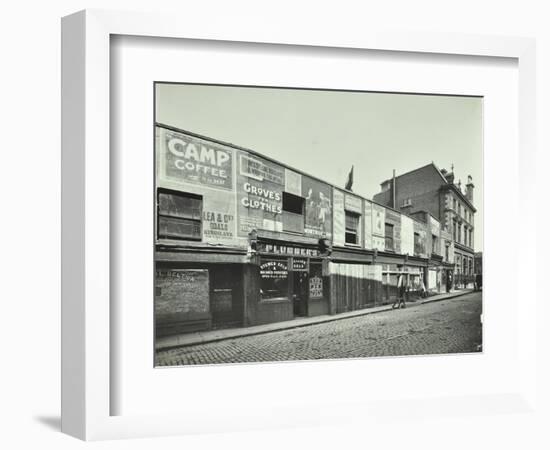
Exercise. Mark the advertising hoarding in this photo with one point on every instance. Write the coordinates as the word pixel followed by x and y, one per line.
pixel 339 218
pixel 378 219
pixel 318 208
pixel 368 225
pixel 407 235
pixel 260 186
pixel 187 159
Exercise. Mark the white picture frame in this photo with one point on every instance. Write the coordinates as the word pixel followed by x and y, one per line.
pixel 87 386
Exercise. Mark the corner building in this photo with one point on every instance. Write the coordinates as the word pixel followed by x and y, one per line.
pixel 242 240
pixel 428 191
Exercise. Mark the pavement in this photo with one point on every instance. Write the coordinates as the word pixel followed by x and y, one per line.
pixel 436 327
pixel 183 340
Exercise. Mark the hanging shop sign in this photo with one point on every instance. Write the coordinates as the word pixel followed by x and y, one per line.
pixel 274 269
pixel 300 264
pixel 318 208
pixel 188 159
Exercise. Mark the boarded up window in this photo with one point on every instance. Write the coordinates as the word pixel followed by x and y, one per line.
pixel 179 215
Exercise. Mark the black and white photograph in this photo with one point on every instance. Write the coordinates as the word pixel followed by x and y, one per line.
pixel 300 224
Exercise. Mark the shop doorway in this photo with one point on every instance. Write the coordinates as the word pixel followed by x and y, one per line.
pixel 226 296
pixel 300 293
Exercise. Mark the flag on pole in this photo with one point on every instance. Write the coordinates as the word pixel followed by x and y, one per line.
pixel 349 183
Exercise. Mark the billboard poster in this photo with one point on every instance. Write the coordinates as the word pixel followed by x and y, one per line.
pixel 420 244
pixel 186 159
pixel 218 219
pixel 368 225
pixel 378 243
pixel 378 219
pixel 407 235
pixel 260 185
pixel 338 218
pixel 293 182
pixel 353 204
pixel 181 291
pixel 434 226
pixel 318 208
pixel 395 219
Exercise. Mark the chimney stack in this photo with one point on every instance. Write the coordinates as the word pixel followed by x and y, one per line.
pixel 450 177
pixel 470 189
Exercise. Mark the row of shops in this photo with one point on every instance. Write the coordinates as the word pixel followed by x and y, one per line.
pixel 242 240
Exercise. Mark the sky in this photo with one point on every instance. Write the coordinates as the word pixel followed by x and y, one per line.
pixel 324 133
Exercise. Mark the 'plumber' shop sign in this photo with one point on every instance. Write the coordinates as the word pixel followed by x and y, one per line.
pixel 194 160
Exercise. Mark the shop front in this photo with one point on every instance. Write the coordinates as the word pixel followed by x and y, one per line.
pixel 291 283
pixel 198 292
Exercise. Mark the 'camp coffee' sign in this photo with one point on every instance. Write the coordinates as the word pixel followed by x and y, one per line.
pixel 197 161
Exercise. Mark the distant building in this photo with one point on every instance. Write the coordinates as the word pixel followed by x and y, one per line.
pixel 428 190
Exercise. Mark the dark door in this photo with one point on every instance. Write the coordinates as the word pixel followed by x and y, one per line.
pixel 300 293
pixel 226 296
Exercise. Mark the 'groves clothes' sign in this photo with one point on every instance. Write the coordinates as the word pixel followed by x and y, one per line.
pixel 194 160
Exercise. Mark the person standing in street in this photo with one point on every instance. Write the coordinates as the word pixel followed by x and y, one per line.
pixel 401 292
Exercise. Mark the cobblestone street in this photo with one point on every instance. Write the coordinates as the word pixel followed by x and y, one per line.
pixel 450 326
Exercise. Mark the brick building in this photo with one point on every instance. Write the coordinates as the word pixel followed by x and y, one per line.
pixel 428 191
pixel 242 239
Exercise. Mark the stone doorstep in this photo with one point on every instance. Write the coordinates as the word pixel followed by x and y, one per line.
pixel 203 337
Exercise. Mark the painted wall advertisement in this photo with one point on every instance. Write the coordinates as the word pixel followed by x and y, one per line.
pixel 260 185
pixel 318 207
pixel 407 235
pixel 420 244
pixel 218 218
pixel 378 219
pixel 181 291
pixel 187 159
pixel 368 225
pixel 395 219
pixel 339 218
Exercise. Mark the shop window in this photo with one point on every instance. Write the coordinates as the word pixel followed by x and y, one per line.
pixel 352 228
pixel 293 213
pixel 273 279
pixel 179 215
pixel 388 233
